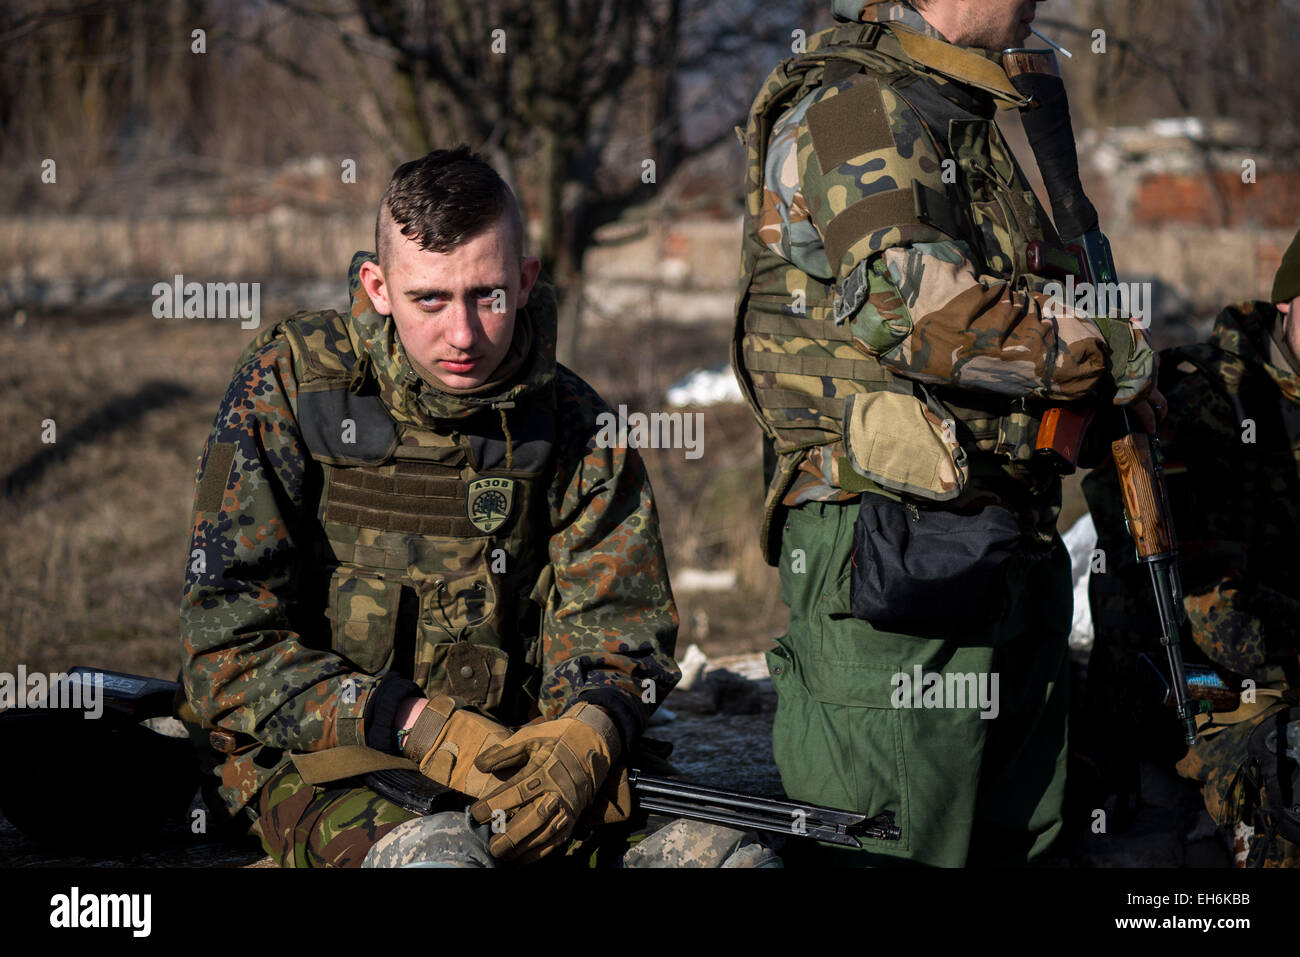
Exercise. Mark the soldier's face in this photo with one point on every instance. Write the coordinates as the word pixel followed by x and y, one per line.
pixel 454 311
pixel 991 24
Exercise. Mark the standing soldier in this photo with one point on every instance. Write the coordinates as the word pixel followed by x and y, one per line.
pixel 894 346
pixel 1231 445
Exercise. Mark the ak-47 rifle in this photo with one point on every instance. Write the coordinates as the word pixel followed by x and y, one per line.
pixel 137 698
pixel 1087 255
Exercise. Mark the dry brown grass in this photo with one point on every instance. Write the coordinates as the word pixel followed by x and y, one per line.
pixel 93 530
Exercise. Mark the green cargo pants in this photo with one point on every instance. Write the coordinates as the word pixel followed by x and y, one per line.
pixel 850 733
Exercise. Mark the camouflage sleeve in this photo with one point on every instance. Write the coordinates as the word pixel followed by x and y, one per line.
pixel 245 668
pixel 842 166
pixel 610 623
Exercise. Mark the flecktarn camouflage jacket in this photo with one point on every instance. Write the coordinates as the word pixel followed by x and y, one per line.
pixel 359 536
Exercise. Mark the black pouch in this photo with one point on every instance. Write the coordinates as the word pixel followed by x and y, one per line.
pixel 924 566
pixel 1275 753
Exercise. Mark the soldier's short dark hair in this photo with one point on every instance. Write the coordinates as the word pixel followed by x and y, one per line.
pixel 443 199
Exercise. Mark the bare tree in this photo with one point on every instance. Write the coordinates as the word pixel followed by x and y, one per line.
pixel 579 103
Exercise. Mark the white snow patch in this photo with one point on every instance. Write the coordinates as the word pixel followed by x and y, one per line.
pixel 1081 540
pixel 692 665
pixel 715 385
pixel 701 579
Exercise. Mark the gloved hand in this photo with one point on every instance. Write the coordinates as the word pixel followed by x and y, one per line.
pixel 561 764
pixel 445 740
pixel 1133 361
pixel 612 803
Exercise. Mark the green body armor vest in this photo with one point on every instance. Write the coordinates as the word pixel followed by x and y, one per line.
pixel 813 361
pixel 433 541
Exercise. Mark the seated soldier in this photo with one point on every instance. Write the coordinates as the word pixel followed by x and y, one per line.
pixel 407 543
pixel 1231 447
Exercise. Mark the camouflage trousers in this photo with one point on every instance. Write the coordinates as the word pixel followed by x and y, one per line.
pixel 1234 800
pixel 346 826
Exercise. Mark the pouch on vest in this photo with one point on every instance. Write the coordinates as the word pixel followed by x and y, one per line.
pixel 901 444
pixel 925 566
pixel 1275 753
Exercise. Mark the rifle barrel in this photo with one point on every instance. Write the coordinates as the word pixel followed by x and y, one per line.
pixel 705 803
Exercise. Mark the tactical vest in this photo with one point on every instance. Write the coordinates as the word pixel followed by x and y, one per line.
pixel 808 364
pixel 433 541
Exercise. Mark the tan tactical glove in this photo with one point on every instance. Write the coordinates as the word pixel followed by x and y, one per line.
pixel 445 740
pixel 562 763
pixel 613 802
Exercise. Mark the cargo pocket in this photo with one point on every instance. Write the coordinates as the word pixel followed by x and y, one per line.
pixel 476 673
pixel 836 737
pixel 900 443
pixel 363 612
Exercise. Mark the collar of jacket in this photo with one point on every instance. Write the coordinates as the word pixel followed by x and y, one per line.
pixel 971 77
pixel 381 357
pixel 1247 330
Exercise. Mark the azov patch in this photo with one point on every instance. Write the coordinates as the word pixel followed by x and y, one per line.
pixel 488 502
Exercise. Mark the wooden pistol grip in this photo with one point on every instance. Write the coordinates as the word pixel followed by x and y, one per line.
pixel 1143 499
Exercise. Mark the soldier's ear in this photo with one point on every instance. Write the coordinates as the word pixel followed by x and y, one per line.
pixel 372 281
pixel 529 269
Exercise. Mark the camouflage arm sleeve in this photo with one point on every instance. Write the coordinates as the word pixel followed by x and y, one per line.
pixel 245 668
pixel 610 623
pixel 914 296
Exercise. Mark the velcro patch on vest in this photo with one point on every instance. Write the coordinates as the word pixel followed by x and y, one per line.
pixel 412 497
pixel 212 490
pixel 488 502
pixel 894 207
pixel 848 124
